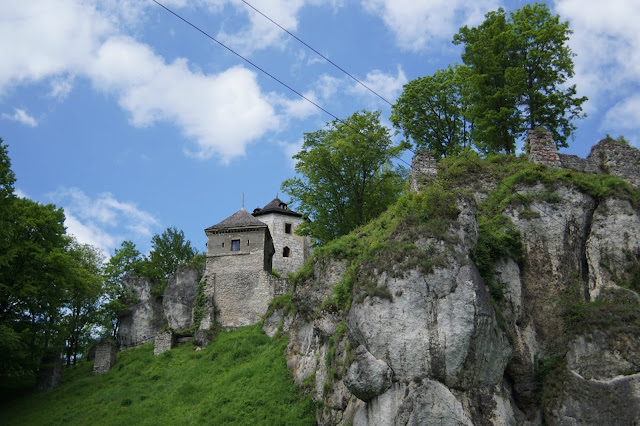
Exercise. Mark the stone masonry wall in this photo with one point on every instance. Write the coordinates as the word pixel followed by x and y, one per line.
pixel 105 357
pixel 542 149
pixel 608 156
pixel 164 341
pixel 423 170
pixel 298 245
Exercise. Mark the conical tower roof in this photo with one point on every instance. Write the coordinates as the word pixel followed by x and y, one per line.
pixel 240 219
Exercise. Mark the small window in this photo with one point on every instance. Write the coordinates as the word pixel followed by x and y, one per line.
pixel 286 252
pixel 235 245
pixel 247 242
pixel 287 228
pixel 222 244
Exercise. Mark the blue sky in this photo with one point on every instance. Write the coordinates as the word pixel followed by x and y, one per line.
pixel 132 121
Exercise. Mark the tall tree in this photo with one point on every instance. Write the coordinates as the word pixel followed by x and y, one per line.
pixel 168 250
pixel 519 67
pixel 125 259
pixel 432 111
pixel 346 175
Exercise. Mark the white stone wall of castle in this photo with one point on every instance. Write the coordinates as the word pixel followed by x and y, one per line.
pixel 298 245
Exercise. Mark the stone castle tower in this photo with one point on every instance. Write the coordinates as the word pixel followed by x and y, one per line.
pixel 242 252
pixel 291 250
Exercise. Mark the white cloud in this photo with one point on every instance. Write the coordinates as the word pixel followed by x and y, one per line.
pixel 48 38
pixel 222 113
pixel 61 87
pixel 607 64
pixel 20 193
pixel 385 85
pixel 103 221
pixel 417 23
pixel 22 117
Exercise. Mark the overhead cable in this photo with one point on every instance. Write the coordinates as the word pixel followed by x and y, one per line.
pixel 261 69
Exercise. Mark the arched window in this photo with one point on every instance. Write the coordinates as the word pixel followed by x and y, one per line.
pixel 286 252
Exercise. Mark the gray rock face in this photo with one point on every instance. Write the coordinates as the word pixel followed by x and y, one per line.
pixel 179 297
pixel 367 377
pixel 433 350
pixel 146 317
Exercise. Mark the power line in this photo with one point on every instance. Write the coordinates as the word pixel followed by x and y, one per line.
pixel 318 53
pixel 244 59
pixel 261 69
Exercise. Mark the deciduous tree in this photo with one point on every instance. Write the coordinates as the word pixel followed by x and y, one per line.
pixel 432 111
pixel 346 176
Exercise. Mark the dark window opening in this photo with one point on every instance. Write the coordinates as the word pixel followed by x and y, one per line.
pixel 222 244
pixel 247 242
pixel 286 252
pixel 287 228
pixel 235 245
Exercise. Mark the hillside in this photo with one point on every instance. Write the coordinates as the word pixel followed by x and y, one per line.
pixel 241 378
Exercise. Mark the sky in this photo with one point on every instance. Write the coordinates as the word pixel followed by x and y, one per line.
pixel 133 121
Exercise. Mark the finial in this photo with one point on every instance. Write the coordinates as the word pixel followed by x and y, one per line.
pixel 243 200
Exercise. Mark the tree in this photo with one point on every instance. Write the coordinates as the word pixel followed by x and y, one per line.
pixel 85 287
pixel 519 67
pixel 346 175
pixel 125 259
pixel 168 250
pixel 432 111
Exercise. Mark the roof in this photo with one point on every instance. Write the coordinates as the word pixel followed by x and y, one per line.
pixel 276 206
pixel 239 219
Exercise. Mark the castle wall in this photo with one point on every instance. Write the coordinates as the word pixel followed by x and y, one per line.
pixel 299 246
pixel 254 242
pixel 240 298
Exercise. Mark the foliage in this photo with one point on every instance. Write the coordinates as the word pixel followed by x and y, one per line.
pixel 241 378
pixel 118 298
pixel 346 176
pixel 168 250
pixel 432 111
pixel 199 304
pixel 518 69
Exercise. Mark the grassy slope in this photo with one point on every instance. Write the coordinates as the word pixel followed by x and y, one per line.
pixel 241 378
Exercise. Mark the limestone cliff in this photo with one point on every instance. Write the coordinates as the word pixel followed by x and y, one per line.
pixel 504 293
pixel 148 314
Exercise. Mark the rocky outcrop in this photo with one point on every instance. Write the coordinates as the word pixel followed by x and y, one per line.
pixel 431 345
pixel 145 318
pixel 179 297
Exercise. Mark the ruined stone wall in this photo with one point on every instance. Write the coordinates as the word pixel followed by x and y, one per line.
pixel 423 170
pixel 606 157
pixel 105 357
pixel 164 341
pixel 617 159
pixel 299 246
pixel 542 149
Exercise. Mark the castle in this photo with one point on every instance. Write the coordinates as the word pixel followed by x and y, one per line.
pixel 243 251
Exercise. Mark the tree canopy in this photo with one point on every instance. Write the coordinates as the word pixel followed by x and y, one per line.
pixel 431 110
pixel 346 176
pixel 514 78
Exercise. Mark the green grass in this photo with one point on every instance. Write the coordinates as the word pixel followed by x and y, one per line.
pixel 242 378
